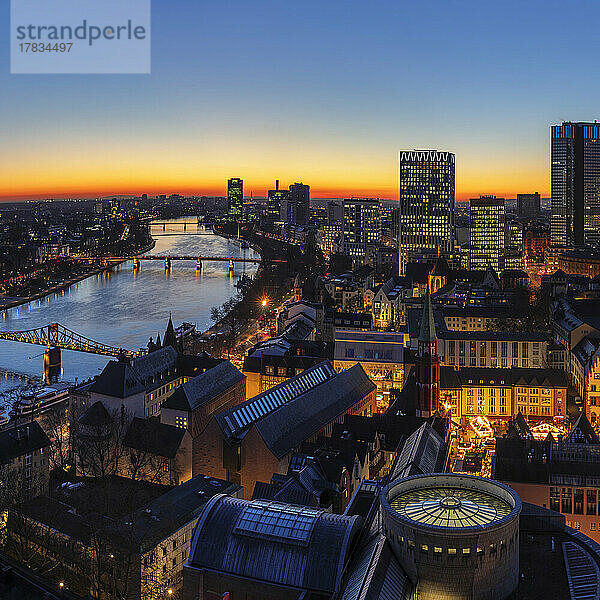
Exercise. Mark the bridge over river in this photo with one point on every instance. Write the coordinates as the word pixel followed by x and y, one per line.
pixel 124 307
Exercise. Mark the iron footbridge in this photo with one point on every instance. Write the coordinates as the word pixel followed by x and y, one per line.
pixel 56 335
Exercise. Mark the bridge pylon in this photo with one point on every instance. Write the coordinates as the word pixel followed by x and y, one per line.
pixel 167 263
pixel 231 265
pixel 198 265
pixel 52 363
pixel 137 264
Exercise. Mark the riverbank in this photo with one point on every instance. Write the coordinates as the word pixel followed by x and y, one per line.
pixel 220 328
pixel 14 301
pixel 271 282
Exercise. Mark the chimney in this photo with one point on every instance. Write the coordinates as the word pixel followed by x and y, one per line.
pixel 277 184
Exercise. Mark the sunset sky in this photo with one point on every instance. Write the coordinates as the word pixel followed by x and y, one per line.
pixel 320 92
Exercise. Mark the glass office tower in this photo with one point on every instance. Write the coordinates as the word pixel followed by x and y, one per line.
pixel 426 201
pixel 235 199
pixel 275 199
pixel 362 226
pixel 298 204
pixel 487 233
pixel 575 182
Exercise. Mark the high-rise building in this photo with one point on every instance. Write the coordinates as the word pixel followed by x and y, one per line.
pixel 487 233
pixel 528 205
pixel 426 201
pixel 330 237
pixel 514 236
pixel 275 198
pixel 235 198
pixel 295 207
pixel 361 226
pixel 575 181
pixel 335 212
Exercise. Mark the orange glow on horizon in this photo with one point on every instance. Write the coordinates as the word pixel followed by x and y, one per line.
pixel 179 166
pixel 259 191
pixel 78 175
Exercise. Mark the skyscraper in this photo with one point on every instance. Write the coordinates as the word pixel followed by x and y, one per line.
pixel 335 212
pixel 528 205
pixel 361 226
pixel 275 198
pixel 235 198
pixel 575 182
pixel 487 233
pixel 426 200
pixel 297 204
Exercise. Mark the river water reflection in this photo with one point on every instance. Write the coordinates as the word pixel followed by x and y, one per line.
pixel 124 307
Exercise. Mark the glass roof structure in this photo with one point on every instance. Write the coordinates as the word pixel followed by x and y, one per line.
pixel 450 507
pixel 283 521
pixel 259 406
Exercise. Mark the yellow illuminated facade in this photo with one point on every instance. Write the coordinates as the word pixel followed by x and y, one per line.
pixel 503 394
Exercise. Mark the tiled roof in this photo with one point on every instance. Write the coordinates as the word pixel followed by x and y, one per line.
pixel 204 387
pixel 21 440
pixel 152 437
pixel 124 378
pixel 456 378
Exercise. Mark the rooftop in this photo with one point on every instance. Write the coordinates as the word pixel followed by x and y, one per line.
pixel 549 378
pixel 153 437
pixel 278 543
pixel 21 440
pixel 450 507
pixel 451 501
pixel 292 411
pixel 125 510
pixel 124 378
pixel 204 387
pixel 424 451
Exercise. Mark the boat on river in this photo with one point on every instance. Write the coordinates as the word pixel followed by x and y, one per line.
pixel 39 401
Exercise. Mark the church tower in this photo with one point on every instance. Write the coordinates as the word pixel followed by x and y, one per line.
pixel 169 338
pixel 428 364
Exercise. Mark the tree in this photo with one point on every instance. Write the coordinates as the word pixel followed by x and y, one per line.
pixel 535 315
pixel 144 466
pixel 99 441
pixel 233 315
pixel 56 423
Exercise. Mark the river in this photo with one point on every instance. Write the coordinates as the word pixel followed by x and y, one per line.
pixel 125 307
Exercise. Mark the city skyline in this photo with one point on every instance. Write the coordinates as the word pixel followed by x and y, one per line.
pixel 333 112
